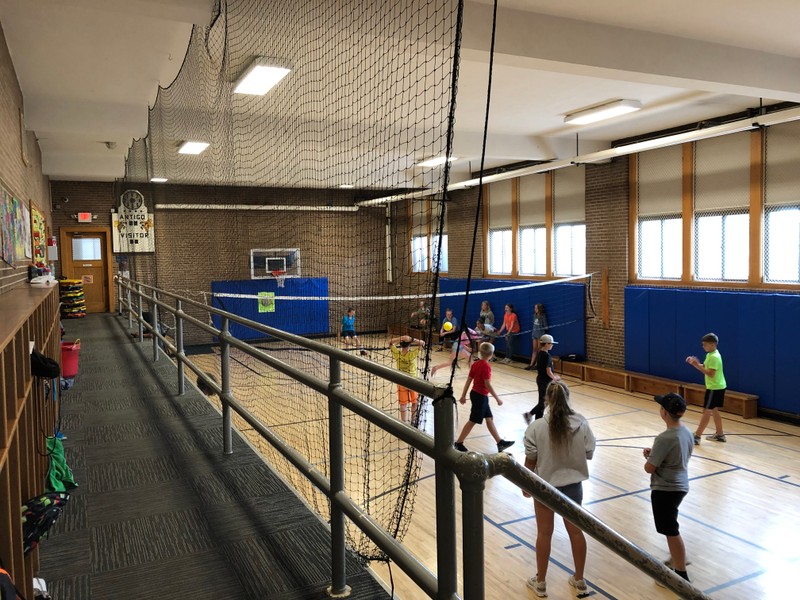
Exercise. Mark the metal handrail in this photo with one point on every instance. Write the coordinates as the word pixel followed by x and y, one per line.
pixel 471 468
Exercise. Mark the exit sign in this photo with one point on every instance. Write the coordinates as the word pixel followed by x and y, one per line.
pixel 84 217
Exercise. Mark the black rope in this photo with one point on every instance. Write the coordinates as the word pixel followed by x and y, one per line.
pixel 478 207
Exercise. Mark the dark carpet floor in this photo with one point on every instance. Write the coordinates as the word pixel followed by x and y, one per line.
pixel 160 512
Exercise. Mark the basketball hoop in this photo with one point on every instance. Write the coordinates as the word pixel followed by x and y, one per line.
pixel 280 277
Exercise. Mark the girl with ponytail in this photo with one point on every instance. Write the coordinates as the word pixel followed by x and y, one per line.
pixel 557 448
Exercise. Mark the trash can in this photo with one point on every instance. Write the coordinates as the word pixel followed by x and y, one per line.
pixel 69 358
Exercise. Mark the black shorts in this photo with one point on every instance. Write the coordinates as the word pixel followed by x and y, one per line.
pixel 480 407
pixel 665 511
pixel 349 333
pixel 714 399
pixel 573 491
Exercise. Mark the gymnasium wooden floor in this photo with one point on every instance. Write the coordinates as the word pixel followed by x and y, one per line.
pixel 740 521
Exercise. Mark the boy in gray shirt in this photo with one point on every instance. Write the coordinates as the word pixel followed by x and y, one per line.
pixel 667 463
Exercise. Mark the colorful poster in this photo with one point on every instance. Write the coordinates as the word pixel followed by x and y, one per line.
pixel 7 219
pixel 38 236
pixel 17 233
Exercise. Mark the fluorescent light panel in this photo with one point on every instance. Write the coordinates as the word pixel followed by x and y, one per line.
pixel 192 147
pixel 260 77
pixel 602 112
pixel 437 161
pixel 347 186
pixel 158 179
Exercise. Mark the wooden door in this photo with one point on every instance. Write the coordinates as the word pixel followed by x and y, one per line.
pixel 87 256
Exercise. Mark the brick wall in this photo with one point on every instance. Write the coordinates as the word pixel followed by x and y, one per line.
pixel 607 210
pixel 196 247
pixel 23 180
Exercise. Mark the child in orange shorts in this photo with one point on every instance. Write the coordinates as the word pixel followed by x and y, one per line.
pixel 405 356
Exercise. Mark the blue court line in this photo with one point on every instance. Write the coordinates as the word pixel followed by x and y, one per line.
pixel 746 470
pixel 522 542
pixel 783 477
pixel 625 412
pixel 512 546
pixel 647 489
pixel 733 582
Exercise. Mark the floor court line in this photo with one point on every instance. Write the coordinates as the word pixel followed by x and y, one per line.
pixel 523 542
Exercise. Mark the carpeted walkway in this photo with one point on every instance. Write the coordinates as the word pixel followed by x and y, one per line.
pixel 160 512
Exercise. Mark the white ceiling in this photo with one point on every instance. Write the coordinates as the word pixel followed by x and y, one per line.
pixel 89 69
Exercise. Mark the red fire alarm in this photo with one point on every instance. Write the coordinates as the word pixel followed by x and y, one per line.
pixel 84 217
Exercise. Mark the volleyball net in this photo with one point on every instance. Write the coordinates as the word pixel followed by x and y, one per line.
pixel 277 220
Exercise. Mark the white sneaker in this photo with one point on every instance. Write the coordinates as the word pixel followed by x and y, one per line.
pixel 539 587
pixel 579 585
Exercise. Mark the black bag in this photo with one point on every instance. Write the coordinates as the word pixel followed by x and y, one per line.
pixel 573 358
pixel 43 366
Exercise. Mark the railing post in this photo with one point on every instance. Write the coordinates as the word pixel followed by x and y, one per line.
pixel 446 563
pixel 119 297
pixel 472 488
pixel 225 371
pixel 179 348
pixel 338 587
pixel 139 311
pixel 130 307
pixel 155 326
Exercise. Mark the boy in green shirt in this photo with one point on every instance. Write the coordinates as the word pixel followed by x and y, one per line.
pixel 711 367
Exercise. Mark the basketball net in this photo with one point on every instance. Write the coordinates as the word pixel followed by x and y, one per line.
pixel 280 277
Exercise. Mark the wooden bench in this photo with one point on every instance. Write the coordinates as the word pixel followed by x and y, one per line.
pixel 738 403
pixel 605 375
pixel 568 368
pixel 651 384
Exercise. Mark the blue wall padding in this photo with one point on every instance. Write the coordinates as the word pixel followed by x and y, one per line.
pixel 758 333
pixel 303 317
pixel 662 319
pixel 786 361
pixel 565 304
pixel 637 330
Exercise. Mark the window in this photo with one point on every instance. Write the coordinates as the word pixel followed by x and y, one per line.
pixel 569 215
pixel 419 253
pixel 722 246
pixel 500 252
pixel 86 249
pixel 721 208
pixel 659 202
pixel 500 257
pixel 532 232
pixel 424 220
pixel 782 241
pixel 442 256
pixel 532 251
pixel 570 249
pixel 660 248
pixel 782 204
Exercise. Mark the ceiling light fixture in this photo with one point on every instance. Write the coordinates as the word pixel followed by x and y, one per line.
pixel 158 180
pixel 260 77
pixel 192 147
pixel 436 162
pixel 347 186
pixel 602 111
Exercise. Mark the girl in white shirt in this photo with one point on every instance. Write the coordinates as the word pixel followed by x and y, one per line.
pixel 557 448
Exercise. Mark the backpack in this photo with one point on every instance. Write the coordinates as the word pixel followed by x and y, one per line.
pixel 43 366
